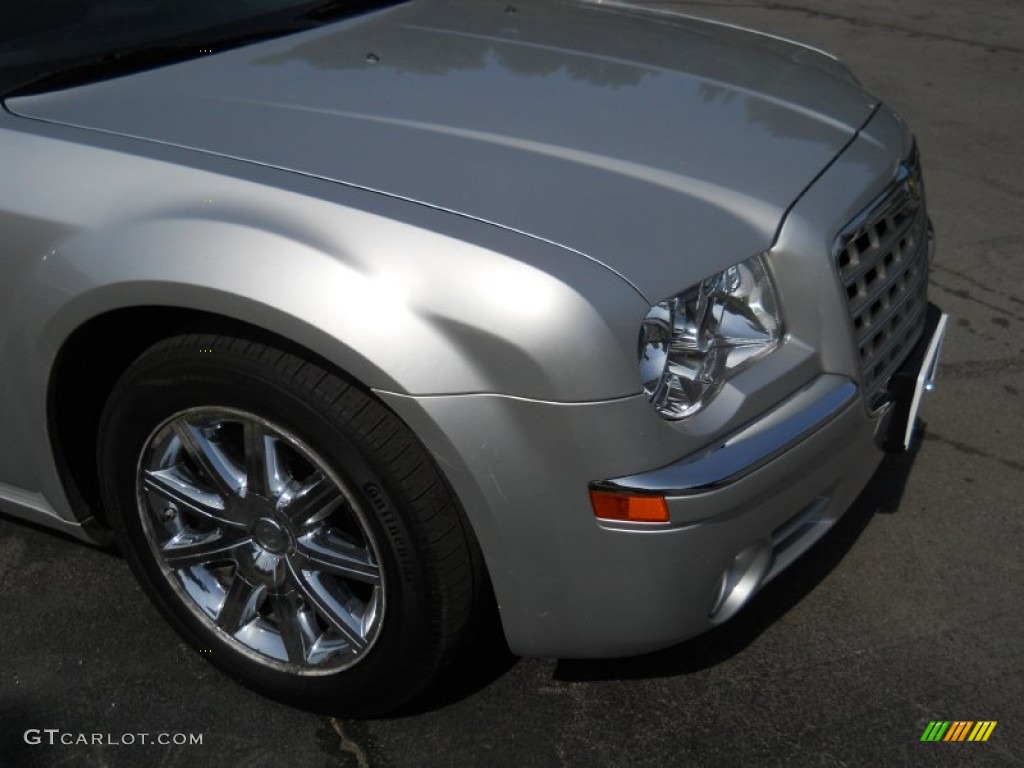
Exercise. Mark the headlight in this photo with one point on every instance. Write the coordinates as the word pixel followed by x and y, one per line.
pixel 692 342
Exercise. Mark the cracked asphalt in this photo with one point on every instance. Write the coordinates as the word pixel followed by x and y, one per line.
pixel 909 611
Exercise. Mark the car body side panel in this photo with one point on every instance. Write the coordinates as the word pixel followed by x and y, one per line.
pixel 340 260
pixel 334 269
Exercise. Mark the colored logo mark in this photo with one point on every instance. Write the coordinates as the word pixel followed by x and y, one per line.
pixel 958 730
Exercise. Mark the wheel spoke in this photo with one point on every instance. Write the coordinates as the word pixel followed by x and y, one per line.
pixel 209 506
pixel 217 468
pixel 187 549
pixel 296 627
pixel 329 607
pixel 316 496
pixel 263 475
pixel 330 554
pixel 239 606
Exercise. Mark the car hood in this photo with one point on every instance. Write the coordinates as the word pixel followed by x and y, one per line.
pixel 662 146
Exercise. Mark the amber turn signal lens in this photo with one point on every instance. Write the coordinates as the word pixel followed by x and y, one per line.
pixel 633 509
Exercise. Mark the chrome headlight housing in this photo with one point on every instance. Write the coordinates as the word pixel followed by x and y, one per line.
pixel 692 342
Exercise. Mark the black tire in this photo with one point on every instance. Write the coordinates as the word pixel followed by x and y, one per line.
pixel 391 510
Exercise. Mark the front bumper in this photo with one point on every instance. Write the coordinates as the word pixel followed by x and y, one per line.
pixel 697 492
pixel 570 586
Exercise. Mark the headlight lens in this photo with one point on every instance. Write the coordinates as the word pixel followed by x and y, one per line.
pixel 692 342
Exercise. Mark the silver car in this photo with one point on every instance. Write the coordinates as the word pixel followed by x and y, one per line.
pixel 347 319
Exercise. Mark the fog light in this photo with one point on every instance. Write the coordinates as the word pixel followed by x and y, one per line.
pixel 629 508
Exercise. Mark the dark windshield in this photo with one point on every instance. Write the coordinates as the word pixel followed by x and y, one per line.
pixel 57 43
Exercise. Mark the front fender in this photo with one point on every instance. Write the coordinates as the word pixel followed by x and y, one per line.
pixel 398 308
pixel 404 297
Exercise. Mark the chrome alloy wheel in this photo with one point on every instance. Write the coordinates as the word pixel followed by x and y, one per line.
pixel 261 540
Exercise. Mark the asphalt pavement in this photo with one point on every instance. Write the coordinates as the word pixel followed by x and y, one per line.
pixel 909 611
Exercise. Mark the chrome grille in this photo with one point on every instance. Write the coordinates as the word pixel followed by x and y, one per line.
pixel 882 258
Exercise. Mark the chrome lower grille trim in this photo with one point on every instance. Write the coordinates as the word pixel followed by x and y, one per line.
pixel 882 260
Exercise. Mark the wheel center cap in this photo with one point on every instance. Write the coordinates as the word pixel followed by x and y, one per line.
pixel 271 536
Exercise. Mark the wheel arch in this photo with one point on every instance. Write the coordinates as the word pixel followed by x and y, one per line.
pixel 91 360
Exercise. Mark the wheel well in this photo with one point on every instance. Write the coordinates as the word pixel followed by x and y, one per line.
pixel 88 366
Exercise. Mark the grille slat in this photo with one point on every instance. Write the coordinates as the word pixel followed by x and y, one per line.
pixel 906 295
pixel 858 264
pixel 890 265
pixel 882 260
pixel 887 356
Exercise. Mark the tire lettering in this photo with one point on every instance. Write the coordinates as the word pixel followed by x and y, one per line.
pixel 376 496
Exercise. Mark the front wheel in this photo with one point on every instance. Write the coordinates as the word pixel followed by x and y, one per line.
pixel 286 523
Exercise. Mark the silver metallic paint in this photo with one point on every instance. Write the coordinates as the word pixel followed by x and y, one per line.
pixel 435 224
